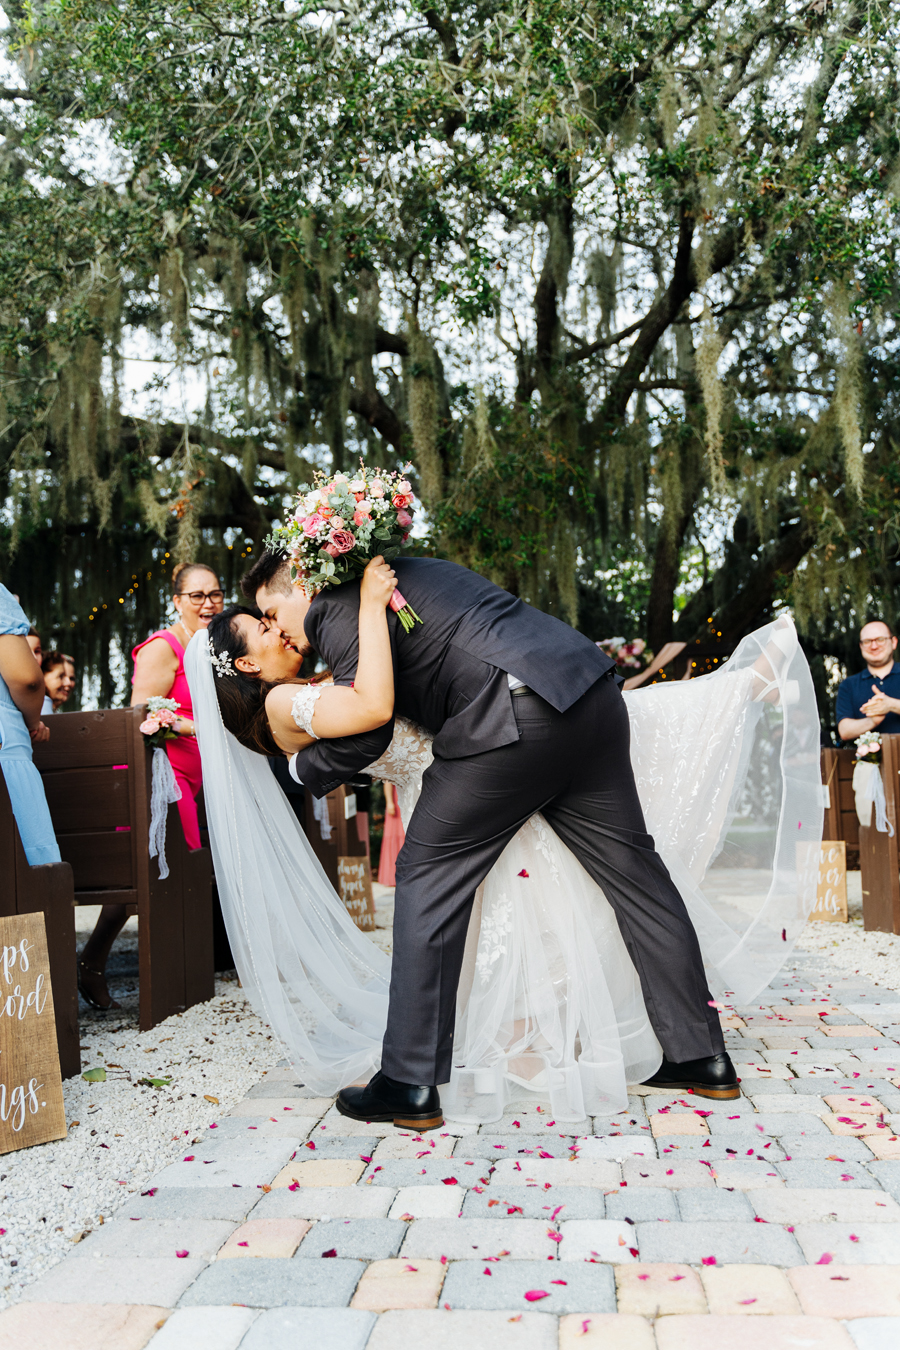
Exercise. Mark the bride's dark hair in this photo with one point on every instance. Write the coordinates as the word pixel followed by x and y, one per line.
pixel 242 697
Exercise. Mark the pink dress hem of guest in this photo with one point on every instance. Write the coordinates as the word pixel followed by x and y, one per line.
pixel 392 841
pixel 185 752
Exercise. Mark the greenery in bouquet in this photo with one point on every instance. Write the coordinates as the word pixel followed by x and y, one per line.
pixel 633 655
pixel 162 714
pixel 868 748
pixel 341 523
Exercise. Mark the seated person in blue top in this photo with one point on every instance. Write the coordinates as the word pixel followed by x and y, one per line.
pixel 870 700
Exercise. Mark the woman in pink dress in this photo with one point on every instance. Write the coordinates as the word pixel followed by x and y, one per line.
pixel 393 838
pixel 159 672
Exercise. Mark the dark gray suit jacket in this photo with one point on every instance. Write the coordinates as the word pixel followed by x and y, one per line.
pixel 450 671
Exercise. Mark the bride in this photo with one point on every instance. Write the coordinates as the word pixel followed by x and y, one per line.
pixel 727 768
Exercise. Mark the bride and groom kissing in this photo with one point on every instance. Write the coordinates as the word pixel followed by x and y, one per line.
pixel 527 722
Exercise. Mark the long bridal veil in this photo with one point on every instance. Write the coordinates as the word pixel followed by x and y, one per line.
pixel 306 968
pixel 727 767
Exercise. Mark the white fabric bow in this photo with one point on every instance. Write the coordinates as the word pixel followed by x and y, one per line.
pixel 163 791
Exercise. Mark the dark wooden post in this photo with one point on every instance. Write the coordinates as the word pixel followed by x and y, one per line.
pixel 344 841
pixel 879 853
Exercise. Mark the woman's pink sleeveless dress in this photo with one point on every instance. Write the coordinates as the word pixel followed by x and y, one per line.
pixel 183 753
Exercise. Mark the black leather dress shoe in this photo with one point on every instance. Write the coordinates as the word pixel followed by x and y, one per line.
pixel 383 1098
pixel 711 1077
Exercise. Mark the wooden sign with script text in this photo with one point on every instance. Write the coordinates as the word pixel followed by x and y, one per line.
pixel 831 892
pixel 355 889
pixel 31 1098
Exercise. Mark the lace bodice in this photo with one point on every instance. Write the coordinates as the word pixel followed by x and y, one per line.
pixel 404 762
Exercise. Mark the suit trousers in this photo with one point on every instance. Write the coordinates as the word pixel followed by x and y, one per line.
pixel 575 768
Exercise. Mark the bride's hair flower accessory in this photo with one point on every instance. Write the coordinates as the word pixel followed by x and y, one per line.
pixel 221 663
pixel 341 524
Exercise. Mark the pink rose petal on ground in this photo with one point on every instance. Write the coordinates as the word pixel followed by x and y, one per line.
pixel 182 1254
pixel 673 1279
pixel 825 1259
pixel 243 1244
pixel 559 1281
pixel 745 1301
pixel 450 1181
pixel 534 1295
pixel 708 1260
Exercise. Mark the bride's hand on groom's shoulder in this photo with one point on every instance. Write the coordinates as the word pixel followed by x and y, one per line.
pixel 378 584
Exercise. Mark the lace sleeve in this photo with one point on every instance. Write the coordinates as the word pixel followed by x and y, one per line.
pixel 303 706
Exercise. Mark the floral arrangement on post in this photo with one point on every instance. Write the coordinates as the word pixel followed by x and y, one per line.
pixel 162 714
pixel 341 524
pixel 157 726
pixel 868 748
pixel 631 654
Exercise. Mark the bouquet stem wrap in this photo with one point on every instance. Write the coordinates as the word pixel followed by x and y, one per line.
pixel 404 611
pixel 163 791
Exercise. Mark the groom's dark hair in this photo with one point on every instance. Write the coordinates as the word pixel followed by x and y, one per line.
pixel 272 570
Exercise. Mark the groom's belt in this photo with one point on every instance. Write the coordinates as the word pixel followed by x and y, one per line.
pixel 520 690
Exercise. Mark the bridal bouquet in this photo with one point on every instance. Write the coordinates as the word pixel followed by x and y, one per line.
pixel 868 748
pixel 162 714
pixel 341 523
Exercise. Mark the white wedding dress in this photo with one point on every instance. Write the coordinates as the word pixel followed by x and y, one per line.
pixel 727 768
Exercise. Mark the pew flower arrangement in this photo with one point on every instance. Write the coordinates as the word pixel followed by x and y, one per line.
pixel 162 714
pixel 868 748
pixel 628 655
pixel 341 523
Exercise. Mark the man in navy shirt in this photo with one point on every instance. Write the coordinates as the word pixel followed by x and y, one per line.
pixel 870 700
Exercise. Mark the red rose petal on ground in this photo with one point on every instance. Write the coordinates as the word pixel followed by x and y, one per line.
pixel 534 1295
pixel 450 1181
pixel 523 873
pixel 332 1251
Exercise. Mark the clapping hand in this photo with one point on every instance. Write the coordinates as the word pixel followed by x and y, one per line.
pixel 878 706
pixel 39 732
pixel 378 583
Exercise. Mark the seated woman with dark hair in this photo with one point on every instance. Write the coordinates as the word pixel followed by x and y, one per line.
pixel 258 695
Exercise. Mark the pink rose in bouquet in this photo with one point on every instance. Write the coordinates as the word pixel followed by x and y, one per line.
pixel 149 727
pixel 339 541
pixel 166 717
pixel 404 519
pixel 405 487
pixel 336 523
pixel 376 488
pixel 400 500
pixel 312 524
pixel 361 517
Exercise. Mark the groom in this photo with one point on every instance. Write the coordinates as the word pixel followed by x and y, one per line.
pixel 526 716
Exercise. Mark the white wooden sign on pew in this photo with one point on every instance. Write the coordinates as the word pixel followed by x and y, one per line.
pixel 31 1096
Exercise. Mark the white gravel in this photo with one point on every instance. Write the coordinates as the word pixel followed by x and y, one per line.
pixel 120 1132
pixel 850 950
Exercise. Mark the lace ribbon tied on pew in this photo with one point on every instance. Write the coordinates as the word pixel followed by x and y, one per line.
pixel 868 789
pixel 163 791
